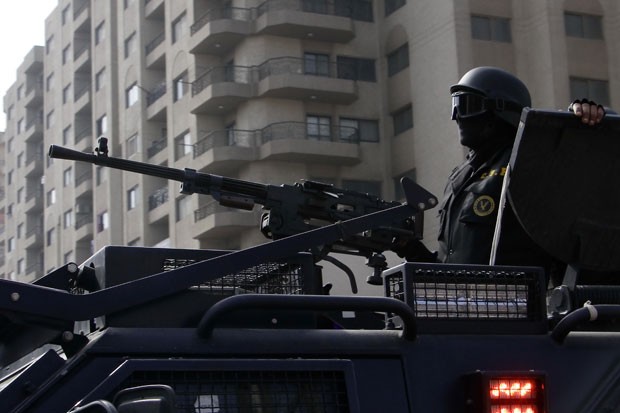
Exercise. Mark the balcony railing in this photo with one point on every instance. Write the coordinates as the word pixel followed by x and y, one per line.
pixel 34 156
pixel 226 137
pixel 83 133
pixel 152 45
pixel 156 147
pixel 155 93
pixel 86 176
pixel 82 219
pixel 157 198
pixel 220 74
pixel 227 13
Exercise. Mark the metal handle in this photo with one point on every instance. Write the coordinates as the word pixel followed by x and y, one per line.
pixel 308 302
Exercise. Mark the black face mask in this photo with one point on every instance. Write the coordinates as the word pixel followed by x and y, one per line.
pixel 476 131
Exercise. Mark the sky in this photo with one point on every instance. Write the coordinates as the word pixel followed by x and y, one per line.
pixel 22 25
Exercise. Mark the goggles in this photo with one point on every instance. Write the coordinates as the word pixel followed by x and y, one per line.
pixel 466 105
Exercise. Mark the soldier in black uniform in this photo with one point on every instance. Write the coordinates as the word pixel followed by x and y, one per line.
pixel 486 105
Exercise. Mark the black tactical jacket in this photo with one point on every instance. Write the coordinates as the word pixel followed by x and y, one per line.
pixel 469 212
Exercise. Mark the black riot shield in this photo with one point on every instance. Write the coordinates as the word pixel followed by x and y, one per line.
pixel 565 187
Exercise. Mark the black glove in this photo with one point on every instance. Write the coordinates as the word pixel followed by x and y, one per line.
pixel 414 251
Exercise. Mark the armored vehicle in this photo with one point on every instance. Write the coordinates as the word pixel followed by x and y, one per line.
pixel 136 329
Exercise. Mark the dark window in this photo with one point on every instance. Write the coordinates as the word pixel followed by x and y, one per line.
pixel 392 5
pixel 596 90
pixel 365 130
pixel 398 60
pixel 403 120
pixel 315 6
pixel 355 9
pixel 356 68
pixel 491 28
pixel 318 127
pixel 583 25
pixel 316 64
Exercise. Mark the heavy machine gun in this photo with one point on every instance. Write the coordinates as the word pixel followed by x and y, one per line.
pixel 289 209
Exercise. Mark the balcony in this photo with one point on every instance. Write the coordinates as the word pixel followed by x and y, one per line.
pixel 82 99
pixel 83 226
pixel 221 89
pixel 34 164
pixel 315 20
pixel 154 9
pixel 81 60
pixel 34 130
pixel 155 104
pixel 294 78
pixel 157 201
pixel 84 182
pixel 34 95
pixel 155 52
pixel 225 150
pixel 34 200
pixel 217 221
pixel 220 30
pixel 304 142
pixel 33 61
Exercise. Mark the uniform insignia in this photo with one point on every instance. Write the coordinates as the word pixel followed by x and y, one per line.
pixel 484 205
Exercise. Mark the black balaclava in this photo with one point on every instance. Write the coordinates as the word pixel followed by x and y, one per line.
pixel 485 132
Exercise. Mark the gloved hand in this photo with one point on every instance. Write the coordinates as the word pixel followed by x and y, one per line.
pixel 413 251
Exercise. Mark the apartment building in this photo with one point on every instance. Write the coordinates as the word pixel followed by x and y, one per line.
pixel 349 92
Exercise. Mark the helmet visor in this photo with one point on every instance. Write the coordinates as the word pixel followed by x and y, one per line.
pixel 467 104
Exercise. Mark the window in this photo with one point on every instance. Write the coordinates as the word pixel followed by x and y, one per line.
pixel 130 45
pixel 20 125
pixel 363 130
pixel 100 33
pixel 51 197
pixel 102 125
pixel 398 188
pixel 20 91
pixel 491 28
pixel 66 135
pixel 398 59
pixel 179 87
pixel 184 207
pixel 127 3
pixel 131 95
pixel 403 120
pixel 9 178
pixel 583 25
pixel 65 93
pixel 392 5
pixel 20 159
pixel 67 219
pixel 366 187
pixel 99 79
pixel 596 90
pixel 10 145
pixel 20 266
pixel 356 9
pixel 131 146
pixel 49 44
pixel 316 64
pixel 64 17
pixel 179 27
pixel 103 221
pixel 49 120
pixel 356 68
pixel 11 245
pixel 65 54
pixel 49 81
pixel 132 198
pixel 183 145
pixel 315 6
pixel 9 113
pixel 50 236
pixel 9 210
pixel 20 230
pixel 67 177
pixel 318 127
pixel 20 195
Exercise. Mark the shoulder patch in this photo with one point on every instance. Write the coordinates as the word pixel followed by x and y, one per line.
pixel 484 205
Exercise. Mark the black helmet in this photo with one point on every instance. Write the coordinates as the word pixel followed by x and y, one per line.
pixel 503 93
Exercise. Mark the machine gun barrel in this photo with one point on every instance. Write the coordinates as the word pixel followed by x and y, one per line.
pixel 192 181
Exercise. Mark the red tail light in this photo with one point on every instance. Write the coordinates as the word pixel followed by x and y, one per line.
pixel 506 392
